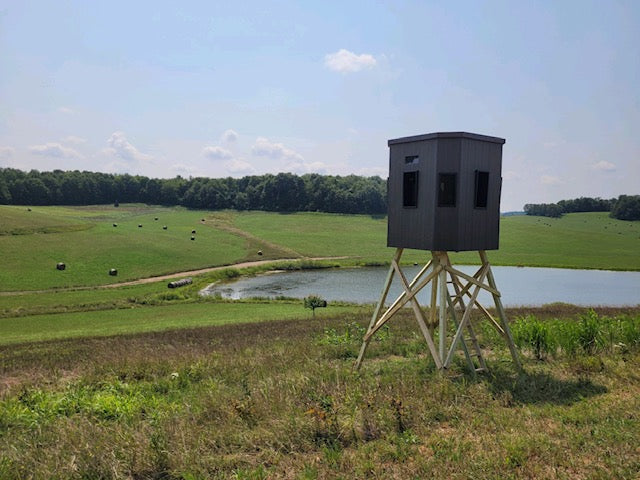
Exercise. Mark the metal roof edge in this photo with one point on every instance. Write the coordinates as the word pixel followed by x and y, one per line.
pixel 430 136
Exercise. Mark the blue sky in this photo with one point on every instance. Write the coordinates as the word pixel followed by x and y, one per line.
pixel 229 89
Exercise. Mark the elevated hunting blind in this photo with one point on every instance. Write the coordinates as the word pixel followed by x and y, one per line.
pixel 444 191
pixel 444 195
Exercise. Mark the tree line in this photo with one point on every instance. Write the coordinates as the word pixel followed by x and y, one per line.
pixel 625 207
pixel 284 192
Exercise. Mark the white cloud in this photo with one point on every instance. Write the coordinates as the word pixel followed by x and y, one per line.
pixel 604 166
pixel 74 139
pixel 344 61
pixel 54 150
pixel 237 166
pixel 216 153
pixel 66 110
pixel 6 152
pixel 264 148
pixel 120 146
pixel 229 136
pixel 550 180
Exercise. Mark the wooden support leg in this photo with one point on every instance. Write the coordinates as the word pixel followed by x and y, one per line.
pixel 501 313
pixel 463 323
pixel 419 314
pixel 442 313
pixel 434 296
pixel 376 313
pixel 401 301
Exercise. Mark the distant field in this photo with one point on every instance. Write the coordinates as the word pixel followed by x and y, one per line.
pixel 32 242
pixel 579 240
pixel 29 259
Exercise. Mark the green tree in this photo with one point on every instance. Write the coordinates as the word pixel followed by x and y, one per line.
pixel 313 302
pixel 627 208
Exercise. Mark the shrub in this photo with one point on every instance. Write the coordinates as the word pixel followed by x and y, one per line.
pixel 313 302
pixel 589 332
pixel 530 333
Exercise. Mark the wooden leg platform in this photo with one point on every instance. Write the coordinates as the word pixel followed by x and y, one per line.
pixel 445 304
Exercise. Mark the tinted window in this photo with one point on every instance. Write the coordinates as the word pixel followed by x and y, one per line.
pixel 410 189
pixel 482 189
pixel 447 190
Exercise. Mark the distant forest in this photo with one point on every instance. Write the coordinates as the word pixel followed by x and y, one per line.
pixel 284 192
pixel 625 207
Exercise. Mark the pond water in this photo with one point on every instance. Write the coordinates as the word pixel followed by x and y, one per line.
pixel 518 286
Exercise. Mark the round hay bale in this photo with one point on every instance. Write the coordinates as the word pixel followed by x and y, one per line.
pixel 202 220
pixel 193 232
pixel 60 266
pixel 164 227
pixel 139 225
pixel 192 237
pixel 260 252
pixel 28 209
pixel 156 218
pixel 115 224
pixel 113 272
pixel 180 283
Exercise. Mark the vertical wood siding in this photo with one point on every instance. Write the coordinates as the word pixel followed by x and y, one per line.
pixel 428 226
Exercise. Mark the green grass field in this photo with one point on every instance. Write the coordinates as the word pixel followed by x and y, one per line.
pixel 584 240
pixel 151 319
pixel 32 242
pixel 29 260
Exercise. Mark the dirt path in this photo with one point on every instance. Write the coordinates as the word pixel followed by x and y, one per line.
pixel 159 278
pixel 211 269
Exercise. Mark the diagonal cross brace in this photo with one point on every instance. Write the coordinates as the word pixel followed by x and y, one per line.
pixel 400 302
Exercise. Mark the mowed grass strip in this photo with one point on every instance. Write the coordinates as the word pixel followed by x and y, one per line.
pixel 29 303
pixel 150 318
pixel 319 234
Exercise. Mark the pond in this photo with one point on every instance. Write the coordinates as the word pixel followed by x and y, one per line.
pixel 518 286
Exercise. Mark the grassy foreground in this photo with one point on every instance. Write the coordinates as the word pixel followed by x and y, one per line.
pixel 280 400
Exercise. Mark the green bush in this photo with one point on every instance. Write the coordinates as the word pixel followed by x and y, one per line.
pixel 589 332
pixel 313 302
pixel 534 335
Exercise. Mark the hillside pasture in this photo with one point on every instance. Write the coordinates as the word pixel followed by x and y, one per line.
pixel 577 240
pixel 85 239
pixel 29 260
